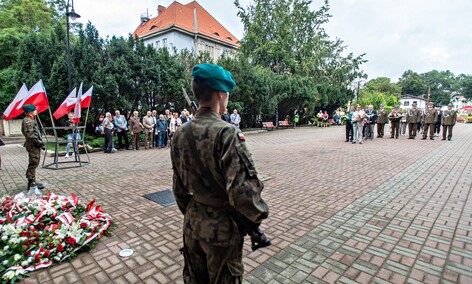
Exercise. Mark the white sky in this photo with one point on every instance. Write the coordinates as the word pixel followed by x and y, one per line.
pixel 396 35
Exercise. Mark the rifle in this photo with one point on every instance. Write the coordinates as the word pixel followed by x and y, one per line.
pixel 192 104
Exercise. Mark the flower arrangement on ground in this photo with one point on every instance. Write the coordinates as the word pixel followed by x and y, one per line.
pixel 37 232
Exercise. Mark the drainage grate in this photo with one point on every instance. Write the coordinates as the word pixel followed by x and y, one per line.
pixel 164 198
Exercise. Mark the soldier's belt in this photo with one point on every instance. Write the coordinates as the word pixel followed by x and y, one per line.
pixel 207 202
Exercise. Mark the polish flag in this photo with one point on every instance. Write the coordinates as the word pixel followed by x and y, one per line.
pixel 77 109
pixel 66 218
pixel 36 96
pixel 11 112
pixel 67 105
pixel 86 98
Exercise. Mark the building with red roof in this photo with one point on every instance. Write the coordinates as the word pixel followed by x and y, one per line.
pixel 188 27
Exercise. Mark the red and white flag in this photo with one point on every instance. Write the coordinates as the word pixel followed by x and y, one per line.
pixel 77 109
pixel 36 96
pixel 11 112
pixel 67 105
pixel 86 98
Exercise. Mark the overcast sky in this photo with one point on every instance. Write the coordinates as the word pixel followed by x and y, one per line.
pixel 396 35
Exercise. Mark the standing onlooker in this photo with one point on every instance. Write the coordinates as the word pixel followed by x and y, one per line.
pixel 136 127
pixel 121 128
pixel 370 120
pixel 403 122
pixel 161 129
pixel 449 118
pixel 349 127
pixel 108 132
pixel 430 117
pixel 358 124
pixel 382 119
pixel 174 124
pixel 413 117
pixel 437 126
pixel 325 119
pixel 167 117
pixel 71 132
pixel 395 118
pixel 148 123
pixel 183 116
pixel 33 144
pixel 319 117
pixel 225 116
pixel 235 118
pixel 154 130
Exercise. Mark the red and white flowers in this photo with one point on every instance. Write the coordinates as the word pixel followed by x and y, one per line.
pixel 36 232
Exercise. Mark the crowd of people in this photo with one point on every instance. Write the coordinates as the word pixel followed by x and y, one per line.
pixel 360 123
pixel 158 129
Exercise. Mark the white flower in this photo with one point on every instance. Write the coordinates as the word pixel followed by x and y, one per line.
pixel 61 232
pixel 4 238
pixel 20 271
pixel 6 248
pixel 57 258
pixel 17 257
pixel 14 241
pixel 24 263
pixel 5 262
pixel 9 275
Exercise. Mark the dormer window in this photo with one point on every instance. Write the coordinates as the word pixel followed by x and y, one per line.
pixel 228 38
pixel 153 27
pixel 217 34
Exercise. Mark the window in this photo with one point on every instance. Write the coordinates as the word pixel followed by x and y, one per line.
pixel 406 103
pixel 158 43
pixel 164 43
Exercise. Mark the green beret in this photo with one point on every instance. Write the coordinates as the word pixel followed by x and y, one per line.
pixel 29 108
pixel 214 77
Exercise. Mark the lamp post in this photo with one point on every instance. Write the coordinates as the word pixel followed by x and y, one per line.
pixel 358 86
pixel 73 15
pixel 277 107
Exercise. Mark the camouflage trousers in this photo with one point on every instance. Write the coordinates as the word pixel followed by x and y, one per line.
pixel 34 156
pixel 213 245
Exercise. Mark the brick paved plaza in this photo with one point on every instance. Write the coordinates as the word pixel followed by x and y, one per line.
pixel 387 211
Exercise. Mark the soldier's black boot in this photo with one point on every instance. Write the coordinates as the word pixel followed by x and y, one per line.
pixel 39 185
pixel 30 183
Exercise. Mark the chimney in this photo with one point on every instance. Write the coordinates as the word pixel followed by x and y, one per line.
pixel 160 10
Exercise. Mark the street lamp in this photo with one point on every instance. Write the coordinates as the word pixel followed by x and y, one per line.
pixel 73 15
pixel 358 86
pixel 277 108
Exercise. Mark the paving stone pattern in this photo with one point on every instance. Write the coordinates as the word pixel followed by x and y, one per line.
pixel 386 211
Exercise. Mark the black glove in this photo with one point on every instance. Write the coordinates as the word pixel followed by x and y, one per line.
pixel 41 145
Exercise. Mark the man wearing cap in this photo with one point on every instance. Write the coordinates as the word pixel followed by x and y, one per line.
pixel 413 116
pixel 394 118
pixel 358 124
pixel 382 119
pixel 448 121
pixel 430 117
pixel 33 144
pixel 214 182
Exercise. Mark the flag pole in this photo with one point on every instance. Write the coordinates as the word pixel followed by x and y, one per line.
pixel 85 123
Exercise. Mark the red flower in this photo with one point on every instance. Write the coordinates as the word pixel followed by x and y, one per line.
pixel 37 257
pixel 47 254
pixel 60 248
pixel 24 234
pixel 71 241
pixel 41 225
pixel 1 221
pixel 83 225
pixel 27 253
pixel 41 249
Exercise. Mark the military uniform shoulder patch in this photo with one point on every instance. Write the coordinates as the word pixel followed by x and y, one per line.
pixel 27 122
pixel 241 137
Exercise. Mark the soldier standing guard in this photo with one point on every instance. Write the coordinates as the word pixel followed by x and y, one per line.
pixel 430 117
pixel 214 183
pixel 395 117
pixel 449 118
pixel 413 116
pixel 382 119
pixel 33 144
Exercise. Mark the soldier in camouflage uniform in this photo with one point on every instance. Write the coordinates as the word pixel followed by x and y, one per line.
pixel 33 144
pixel 413 116
pixel 382 119
pixel 448 121
pixel 430 117
pixel 214 181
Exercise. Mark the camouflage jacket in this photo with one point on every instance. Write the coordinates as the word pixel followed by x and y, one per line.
pixel 30 131
pixel 233 183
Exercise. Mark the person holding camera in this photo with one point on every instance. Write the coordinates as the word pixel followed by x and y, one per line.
pixel 33 144
pixel 215 185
